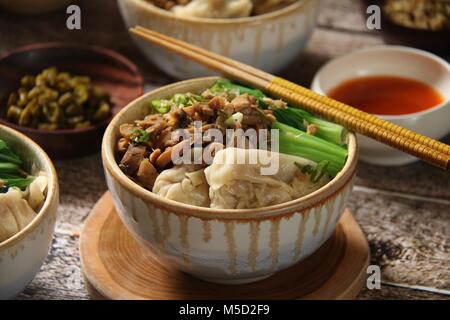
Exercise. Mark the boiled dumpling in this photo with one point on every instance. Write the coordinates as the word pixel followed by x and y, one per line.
pixel 183 183
pixel 36 192
pixel 15 213
pixel 215 9
pixel 242 185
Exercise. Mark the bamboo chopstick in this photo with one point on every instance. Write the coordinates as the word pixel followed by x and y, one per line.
pixel 429 150
pixel 396 129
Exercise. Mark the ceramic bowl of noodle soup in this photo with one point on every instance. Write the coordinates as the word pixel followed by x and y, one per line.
pixel 26 225
pixel 209 240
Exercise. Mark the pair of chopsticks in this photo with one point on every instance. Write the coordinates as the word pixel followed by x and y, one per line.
pixel 425 148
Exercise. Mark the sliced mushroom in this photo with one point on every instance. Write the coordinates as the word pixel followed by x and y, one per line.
pixel 126 130
pixel 164 159
pixel 243 101
pixel 147 174
pixel 154 155
pixel 217 102
pixel 122 145
pixel 132 159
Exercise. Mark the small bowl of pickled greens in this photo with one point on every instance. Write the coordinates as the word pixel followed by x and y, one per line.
pixel 63 96
pixel 55 99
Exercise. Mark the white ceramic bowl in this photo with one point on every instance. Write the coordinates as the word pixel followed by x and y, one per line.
pixel 223 246
pixel 393 61
pixel 22 255
pixel 269 42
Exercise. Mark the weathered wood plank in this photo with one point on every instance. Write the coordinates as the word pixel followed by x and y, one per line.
pixel 392 293
pixel 344 15
pixel 60 276
pixel 81 185
pixel 408 238
pixel 324 45
pixel 417 178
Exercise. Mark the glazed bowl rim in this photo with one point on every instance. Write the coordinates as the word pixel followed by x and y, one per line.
pixel 221 21
pixel 316 84
pixel 313 199
pixel 52 187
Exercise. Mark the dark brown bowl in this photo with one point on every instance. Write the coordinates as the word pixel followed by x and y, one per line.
pixel 107 69
pixel 392 33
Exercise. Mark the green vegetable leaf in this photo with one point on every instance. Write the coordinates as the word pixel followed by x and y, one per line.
pixel 21 183
pixel 140 136
pixel 315 172
pixel 7 155
pixel 226 86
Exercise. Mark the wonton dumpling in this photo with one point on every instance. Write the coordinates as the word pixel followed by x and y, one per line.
pixel 243 186
pixel 36 192
pixel 215 9
pixel 15 213
pixel 183 183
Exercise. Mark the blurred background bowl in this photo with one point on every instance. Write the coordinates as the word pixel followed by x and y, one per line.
pixel 270 41
pixel 106 68
pixel 395 34
pixel 34 6
pixel 22 255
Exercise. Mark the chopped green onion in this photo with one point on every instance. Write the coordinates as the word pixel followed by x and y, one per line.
pixel 161 106
pixel 180 99
pixel 140 136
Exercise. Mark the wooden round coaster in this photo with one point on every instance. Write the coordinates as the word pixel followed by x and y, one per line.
pixel 117 267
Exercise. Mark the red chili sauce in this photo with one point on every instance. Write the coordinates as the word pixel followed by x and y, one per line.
pixel 386 95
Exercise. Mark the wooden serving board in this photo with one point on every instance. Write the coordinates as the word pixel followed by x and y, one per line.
pixel 117 267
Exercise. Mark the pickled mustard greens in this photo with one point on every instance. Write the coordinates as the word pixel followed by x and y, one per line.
pixel 55 100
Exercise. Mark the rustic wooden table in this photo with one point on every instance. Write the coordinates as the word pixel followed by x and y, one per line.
pixel 404 211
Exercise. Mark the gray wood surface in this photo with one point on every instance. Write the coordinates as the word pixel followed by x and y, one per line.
pixel 404 211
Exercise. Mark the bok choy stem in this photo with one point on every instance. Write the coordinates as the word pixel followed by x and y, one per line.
pixel 300 119
pixel 299 143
